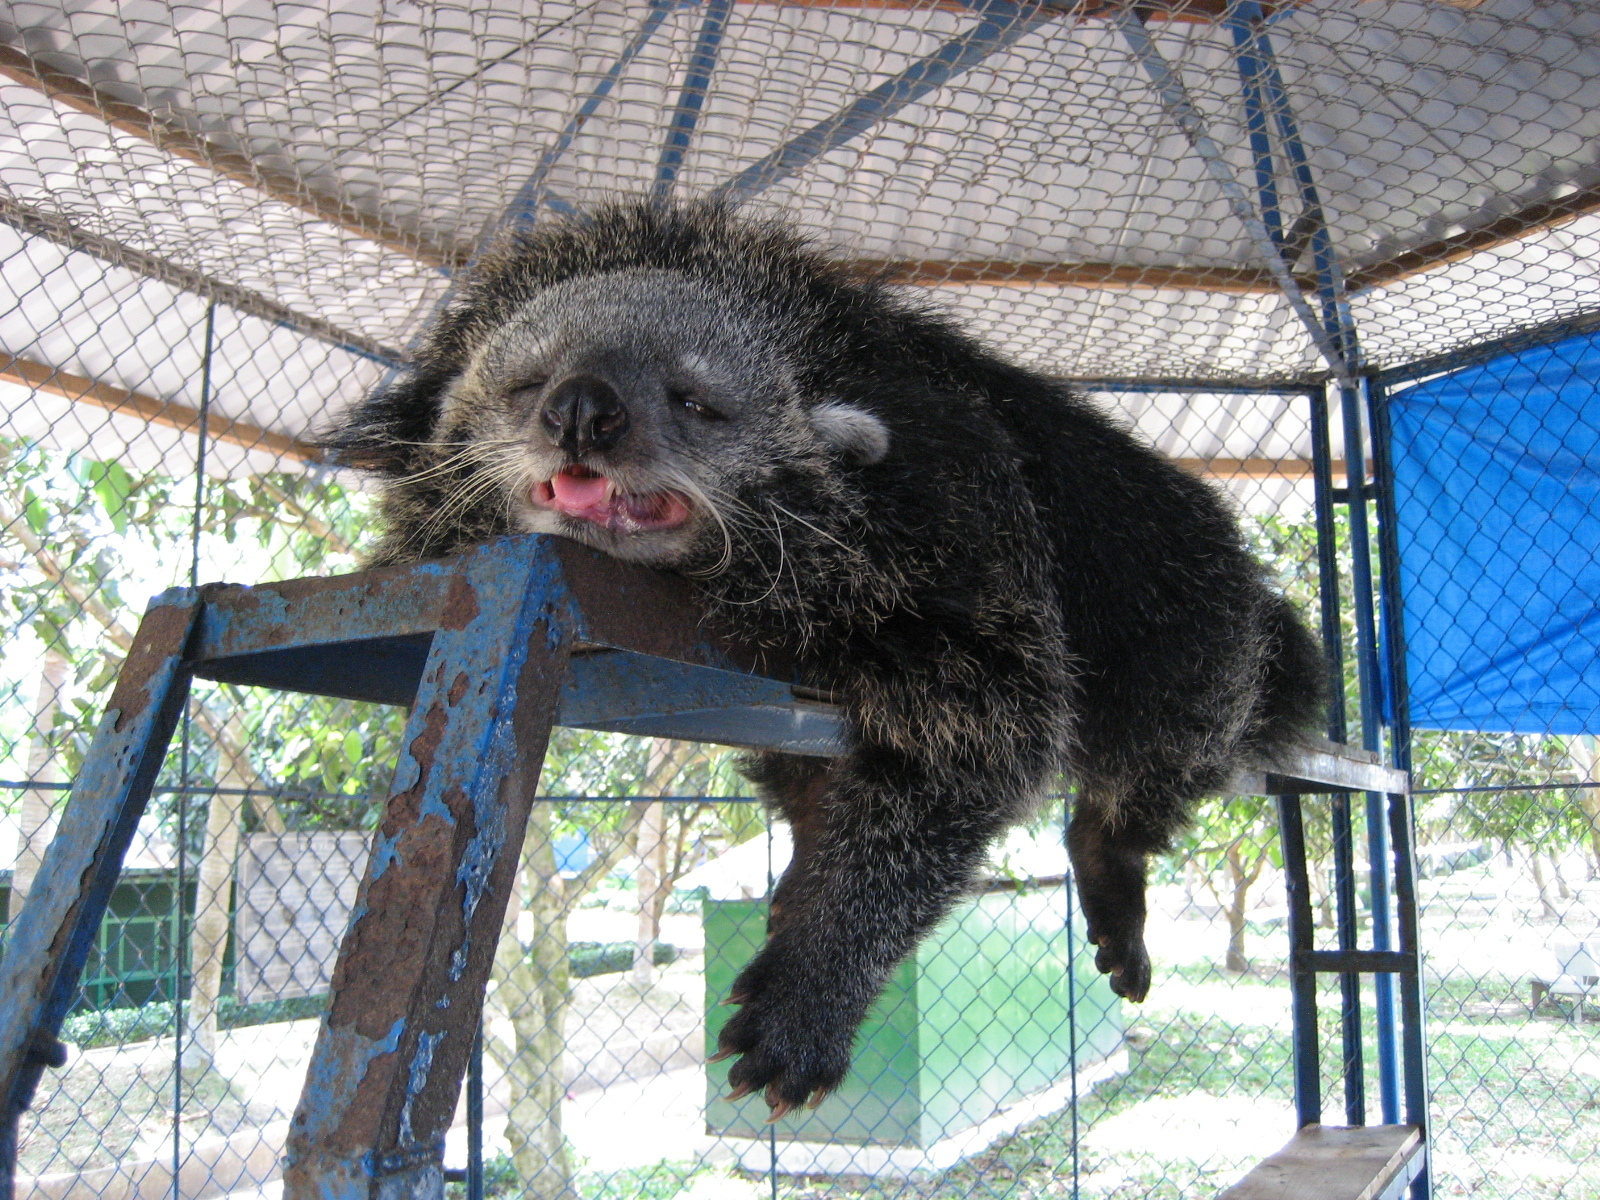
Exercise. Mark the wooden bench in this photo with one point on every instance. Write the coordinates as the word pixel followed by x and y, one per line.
pixel 1335 1162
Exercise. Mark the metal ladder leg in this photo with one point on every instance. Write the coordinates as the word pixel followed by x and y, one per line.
pixel 51 941
pixel 409 985
pixel 1302 976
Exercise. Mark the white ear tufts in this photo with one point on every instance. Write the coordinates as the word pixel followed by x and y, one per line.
pixel 857 433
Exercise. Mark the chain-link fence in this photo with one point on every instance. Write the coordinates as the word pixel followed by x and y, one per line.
pixel 219 225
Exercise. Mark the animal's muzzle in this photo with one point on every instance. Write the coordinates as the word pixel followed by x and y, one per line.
pixel 584 413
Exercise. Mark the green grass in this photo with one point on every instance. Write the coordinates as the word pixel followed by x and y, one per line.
pixel 1210 1086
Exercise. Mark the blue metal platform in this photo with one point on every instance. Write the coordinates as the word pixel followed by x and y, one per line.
pixel 488 650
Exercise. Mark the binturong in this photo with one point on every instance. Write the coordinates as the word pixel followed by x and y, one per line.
pixel 1005 591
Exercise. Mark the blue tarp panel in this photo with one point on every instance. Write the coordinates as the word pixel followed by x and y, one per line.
pixel 1497 481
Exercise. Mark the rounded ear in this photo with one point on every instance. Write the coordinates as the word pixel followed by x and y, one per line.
pixel 854 432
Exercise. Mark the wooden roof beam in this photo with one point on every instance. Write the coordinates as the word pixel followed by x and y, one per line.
pixel 1197 12
pixel 148 409
pixel 74 93
pixel 113 399
pixel 1116 276
pixel 1515 227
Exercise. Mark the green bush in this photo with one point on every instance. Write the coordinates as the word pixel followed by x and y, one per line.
pixel 120 1026
pixel 500 1178
pixel 607 958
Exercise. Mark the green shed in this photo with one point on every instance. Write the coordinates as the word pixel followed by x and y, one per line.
pixel 972 1037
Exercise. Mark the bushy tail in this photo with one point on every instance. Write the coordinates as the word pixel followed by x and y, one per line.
pixel 1294 698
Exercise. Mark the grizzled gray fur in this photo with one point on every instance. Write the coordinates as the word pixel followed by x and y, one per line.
pixel 1001 586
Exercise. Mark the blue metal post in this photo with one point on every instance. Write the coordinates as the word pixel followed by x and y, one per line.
pixel 408 989
pixel 51 940
pixel 696 83
pixel 1002 23
pixel 1259 72
pixel 534 194
pixel 475 1118
pixel 1400 815
pixel 1302 981
pixel 1252 70
pixel 1371 739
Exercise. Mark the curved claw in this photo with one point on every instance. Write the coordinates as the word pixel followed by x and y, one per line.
pixel 720 1055
pixel 817 1097
pixel 779 1110
pixel 740 1092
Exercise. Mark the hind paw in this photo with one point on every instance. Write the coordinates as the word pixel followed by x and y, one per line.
pixel 1124 959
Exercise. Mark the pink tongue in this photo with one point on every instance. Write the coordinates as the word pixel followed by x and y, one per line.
pixel 574 494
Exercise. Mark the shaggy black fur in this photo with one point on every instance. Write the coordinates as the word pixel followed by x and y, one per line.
pixel 1017 590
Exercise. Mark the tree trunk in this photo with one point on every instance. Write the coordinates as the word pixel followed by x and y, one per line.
pixel 219 854
pixel 1319 876
pixel 1236 961
pixel 39 805
pixel 652 867
pixel 532 995
pixel 208 937
pixel 655 881
pixel 530 990
pixel 1581 750
pixel 1537 861
pixel 1562 890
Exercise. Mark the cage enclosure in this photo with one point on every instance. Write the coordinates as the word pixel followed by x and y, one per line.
pixel 1337 259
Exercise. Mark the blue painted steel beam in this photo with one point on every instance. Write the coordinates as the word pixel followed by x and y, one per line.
pixel 534 194
pixel 1263 91
pixel 1001 23
pixel 1302 979
pixel 1484 352
pixel 1260 86
pixel 1175 99
pixel 51 940
pixel 692 97
pixel 1369 681
pixel 386 1071
pixel 1197 386
pixel 1399 807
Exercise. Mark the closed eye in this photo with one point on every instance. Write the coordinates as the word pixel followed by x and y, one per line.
pixel 527 390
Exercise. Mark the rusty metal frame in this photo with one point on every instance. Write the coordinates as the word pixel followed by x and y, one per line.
pixel 489 650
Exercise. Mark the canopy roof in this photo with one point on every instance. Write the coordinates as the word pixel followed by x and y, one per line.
pixel 319 168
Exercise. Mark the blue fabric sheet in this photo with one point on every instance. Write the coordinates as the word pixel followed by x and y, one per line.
pixel 1497 482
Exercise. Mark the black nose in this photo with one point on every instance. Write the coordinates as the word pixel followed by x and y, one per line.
pixel 584 413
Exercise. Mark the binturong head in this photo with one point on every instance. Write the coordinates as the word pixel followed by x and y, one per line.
pixel 574 387
pixel 629 411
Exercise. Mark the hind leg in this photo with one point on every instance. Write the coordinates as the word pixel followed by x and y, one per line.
pixel 1108 858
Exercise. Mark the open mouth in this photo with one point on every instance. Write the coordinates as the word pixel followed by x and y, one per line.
pixel 586 495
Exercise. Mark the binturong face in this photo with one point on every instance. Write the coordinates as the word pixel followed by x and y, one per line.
pixel 633 411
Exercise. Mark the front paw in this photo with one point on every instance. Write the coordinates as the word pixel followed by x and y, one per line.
pixel 791 1045
pixel 1124 958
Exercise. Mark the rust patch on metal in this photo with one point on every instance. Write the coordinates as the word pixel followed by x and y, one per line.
pixel 460 605
pixel 637 608
pixel 404 806
pixel 386 952
pixel 458 689
pixel 161 636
